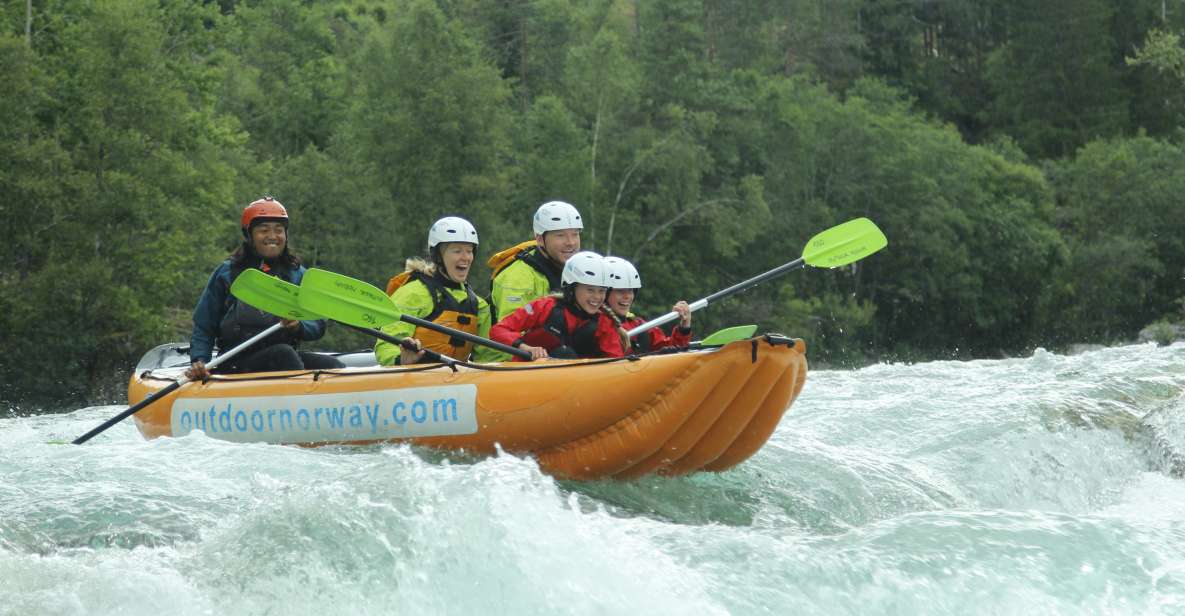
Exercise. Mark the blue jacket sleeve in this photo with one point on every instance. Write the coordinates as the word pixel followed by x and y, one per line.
pixel 309 330
pixel 208 314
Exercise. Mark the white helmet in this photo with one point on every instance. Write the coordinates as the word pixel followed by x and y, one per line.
pixel 556 215
pixel 622 274
pixel 585 267
pixel 451 229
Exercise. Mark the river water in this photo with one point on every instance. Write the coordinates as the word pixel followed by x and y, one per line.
pixel 1040 485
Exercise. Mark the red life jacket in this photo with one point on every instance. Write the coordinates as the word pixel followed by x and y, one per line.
pixel 564 327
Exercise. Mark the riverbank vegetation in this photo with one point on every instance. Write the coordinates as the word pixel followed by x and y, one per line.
pixel 1026 162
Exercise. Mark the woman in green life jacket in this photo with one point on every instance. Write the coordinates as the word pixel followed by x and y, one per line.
pixel 438 291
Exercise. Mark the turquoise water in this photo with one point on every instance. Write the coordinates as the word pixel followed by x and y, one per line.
pixel 1041 485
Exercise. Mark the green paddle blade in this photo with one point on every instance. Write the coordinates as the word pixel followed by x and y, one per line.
pixel 346 299
pixel 729 334
pixel 844 244
pixel 270 294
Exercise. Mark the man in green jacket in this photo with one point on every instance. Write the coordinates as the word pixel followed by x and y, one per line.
pixel 534 271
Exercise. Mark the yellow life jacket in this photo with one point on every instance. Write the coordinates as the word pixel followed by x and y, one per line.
pixel 398 280
pixel 500 260
pixel 446 311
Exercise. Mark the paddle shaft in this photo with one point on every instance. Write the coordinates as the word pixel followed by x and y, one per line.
pixel 840 245
pixel 498 346
pixel 719 295
pixel 279 297
pixel 346 299
pixel 178 383
pixel 403 342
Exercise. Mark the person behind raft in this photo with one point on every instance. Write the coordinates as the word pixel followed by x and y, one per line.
pixel 625 283
pixel 438 292
pixel 570 325
pixel 222 319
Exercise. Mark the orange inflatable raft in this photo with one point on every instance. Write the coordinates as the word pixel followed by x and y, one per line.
pixel 707 409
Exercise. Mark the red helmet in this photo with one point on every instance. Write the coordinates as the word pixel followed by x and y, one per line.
pixel 266 208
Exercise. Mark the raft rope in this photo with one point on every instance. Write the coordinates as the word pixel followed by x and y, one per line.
pixel 771 339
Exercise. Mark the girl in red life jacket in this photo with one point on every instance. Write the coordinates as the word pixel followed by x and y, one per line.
pixel 624 283
pixel 569 326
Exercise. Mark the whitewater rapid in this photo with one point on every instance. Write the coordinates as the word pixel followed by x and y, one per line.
pixel 1040 485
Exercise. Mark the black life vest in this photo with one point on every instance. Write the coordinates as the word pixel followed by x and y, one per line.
pixel 533 257
pixel 641 342
pixel 540 263
pixel 554 335
pixel 242 321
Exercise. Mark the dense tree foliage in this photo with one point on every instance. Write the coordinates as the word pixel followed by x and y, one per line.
pixel 1023 158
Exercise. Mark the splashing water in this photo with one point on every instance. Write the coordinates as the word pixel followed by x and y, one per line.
pixel 1047 484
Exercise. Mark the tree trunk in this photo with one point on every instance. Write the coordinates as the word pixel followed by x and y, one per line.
pixel 522 68
pixel 592 171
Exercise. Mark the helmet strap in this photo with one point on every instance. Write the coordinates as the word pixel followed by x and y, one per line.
pixel 438 260
pixel 253 256
pixel 541 245
pixel 569 300
pixel 546 255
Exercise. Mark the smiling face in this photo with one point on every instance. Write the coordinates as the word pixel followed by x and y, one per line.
pixel 620 301
pixel 560 245
pixel 589 298
pixel 457 257
pixel 269 239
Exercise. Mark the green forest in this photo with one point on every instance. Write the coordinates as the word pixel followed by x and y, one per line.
pixel 1025 159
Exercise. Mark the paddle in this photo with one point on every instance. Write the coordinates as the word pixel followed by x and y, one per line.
pixel 729 334
pixel 358 303
pixel 281 298
pixel 239 290
pixel 837 246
